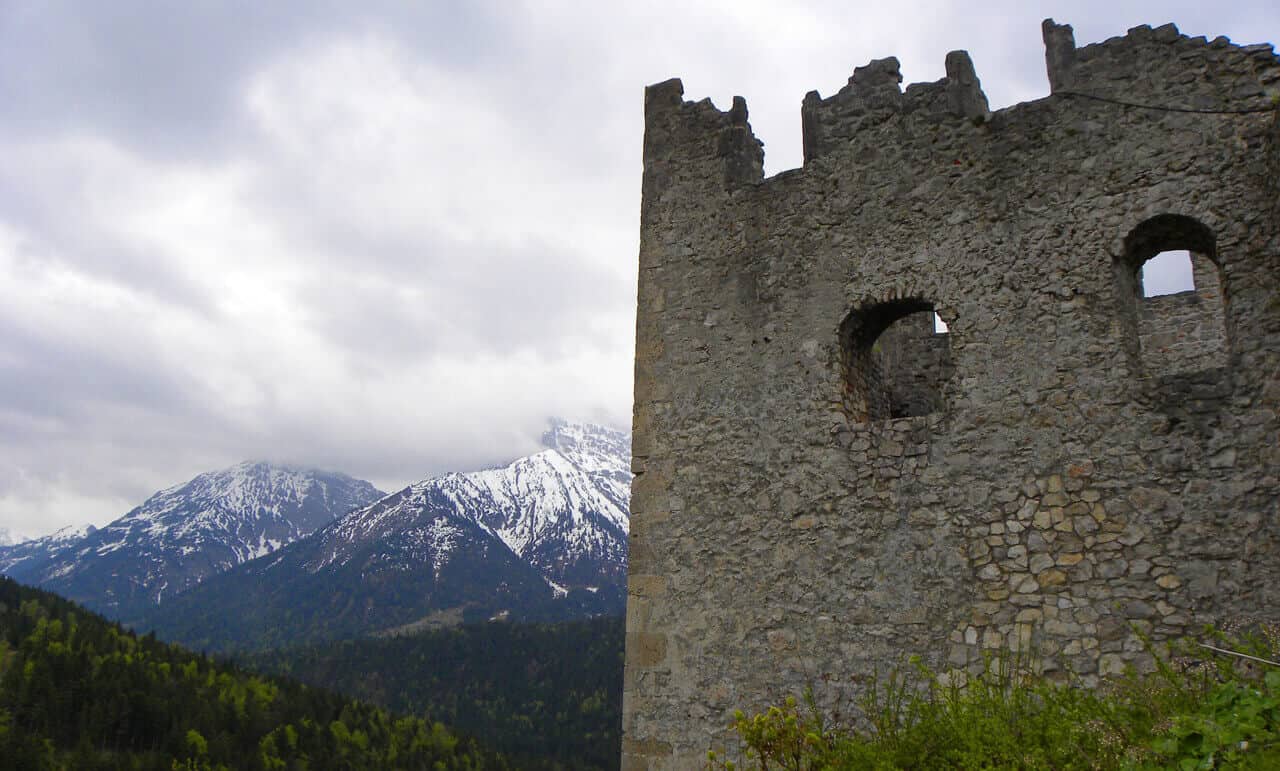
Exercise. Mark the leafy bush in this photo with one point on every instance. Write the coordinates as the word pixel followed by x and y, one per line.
pixel 1200 709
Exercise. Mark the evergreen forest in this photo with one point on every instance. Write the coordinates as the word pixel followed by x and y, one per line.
pixel 547 695
pixel 79 692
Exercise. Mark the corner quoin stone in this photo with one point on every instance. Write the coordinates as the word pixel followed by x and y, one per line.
pixel 827 482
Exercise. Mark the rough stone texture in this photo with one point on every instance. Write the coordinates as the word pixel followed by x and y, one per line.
pixel 1073 482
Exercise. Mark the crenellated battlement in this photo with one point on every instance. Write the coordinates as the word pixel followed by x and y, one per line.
pixel 1162 67
pixel 827 478
pixel 696 132
pixel 873 97
pixel 1155 67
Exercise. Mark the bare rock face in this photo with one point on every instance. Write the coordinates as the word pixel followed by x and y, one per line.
pixel 911 398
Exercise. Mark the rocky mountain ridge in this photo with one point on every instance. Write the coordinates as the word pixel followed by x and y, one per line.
pixel 182 535
pixel 543 537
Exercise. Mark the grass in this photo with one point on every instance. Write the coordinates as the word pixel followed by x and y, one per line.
pixel 1198 709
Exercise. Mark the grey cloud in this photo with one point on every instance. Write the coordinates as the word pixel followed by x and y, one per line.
pixel 166 75
pixel 156 73
pixel 126 265
pixel 49 213
pixel 459 299
pixel 424 314
pixel 78 386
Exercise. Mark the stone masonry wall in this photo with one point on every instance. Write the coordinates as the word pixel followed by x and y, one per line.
pixel 1069 489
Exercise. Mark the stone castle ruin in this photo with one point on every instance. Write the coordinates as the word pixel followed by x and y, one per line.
pixel 828 479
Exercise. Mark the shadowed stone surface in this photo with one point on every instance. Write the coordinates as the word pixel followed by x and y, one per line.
pixel 1076 462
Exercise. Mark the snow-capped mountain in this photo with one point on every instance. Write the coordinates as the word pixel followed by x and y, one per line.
pixel 184 534
pixel 562 510
pixel 542 537
pixel 26 558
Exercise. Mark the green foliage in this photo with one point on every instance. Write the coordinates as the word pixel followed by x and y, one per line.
pixel 1237 722
pixel 78 692
pixel 547 695
pixel 1197 710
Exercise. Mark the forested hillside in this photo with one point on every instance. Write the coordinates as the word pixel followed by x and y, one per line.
pixel 78 692
pixel 536 692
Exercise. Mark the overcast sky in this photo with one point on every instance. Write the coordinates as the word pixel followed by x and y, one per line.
pixel 387 238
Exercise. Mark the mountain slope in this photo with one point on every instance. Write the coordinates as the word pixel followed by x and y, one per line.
pixel 563 510
pixel 79 692
pixel 543 538
pixel 531 690
pixel 183 535
pixel 28 558
pixel 405 562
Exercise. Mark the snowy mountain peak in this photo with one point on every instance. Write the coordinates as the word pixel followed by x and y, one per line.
pixel 543 537
pixel 71 533
pixel 26 558
pixel 185 533
pixel 589 446
pixel 305 498
pixel 563 511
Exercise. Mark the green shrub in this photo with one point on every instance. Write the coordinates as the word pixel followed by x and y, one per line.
pixel 1199 709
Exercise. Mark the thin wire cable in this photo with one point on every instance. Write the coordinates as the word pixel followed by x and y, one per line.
pixel 1241 655
pixel 1096 98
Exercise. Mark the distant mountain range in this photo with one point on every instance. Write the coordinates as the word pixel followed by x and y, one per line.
pixel 260 555
pixel 543 538
pixel 25 558
pixel 183 535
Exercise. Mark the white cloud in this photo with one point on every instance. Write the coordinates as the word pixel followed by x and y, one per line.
pixel 390 242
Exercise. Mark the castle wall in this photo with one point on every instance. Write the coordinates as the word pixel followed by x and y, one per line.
pixel 1185 332
pixel 1072 490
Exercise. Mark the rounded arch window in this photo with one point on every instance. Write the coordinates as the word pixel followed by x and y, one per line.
pixel 1173 296
pixel 896 357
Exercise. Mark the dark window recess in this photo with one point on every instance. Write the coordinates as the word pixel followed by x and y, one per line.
pixel 896 359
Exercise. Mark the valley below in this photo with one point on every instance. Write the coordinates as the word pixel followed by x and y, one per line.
pixel 488 603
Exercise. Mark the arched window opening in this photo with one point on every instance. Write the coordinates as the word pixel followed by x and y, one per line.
pixel 897 360
pixel 1175 306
